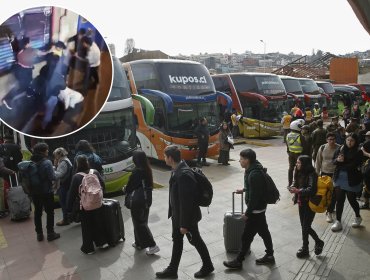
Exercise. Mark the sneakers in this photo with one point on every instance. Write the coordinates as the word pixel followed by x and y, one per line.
pixel 337 226
pixel 168 273
pixel 329 217
pixel 40 237
pixel 52 236
pixel 62 223
pixel 233 264
pixel 152 250
pixel 303 253
pixel 88 253
pixel 266 259
pixel 7 105
pixel 204 271
pixel 137 247
pixel 104 246
pixel 357 222
pixel 318 247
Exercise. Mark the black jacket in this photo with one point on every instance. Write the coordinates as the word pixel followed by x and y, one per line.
pixel 306 183
pixel 202 133
pixel 183 207
pixel 254 188
pixel 136 181
pixel 11 154
pixel 352 163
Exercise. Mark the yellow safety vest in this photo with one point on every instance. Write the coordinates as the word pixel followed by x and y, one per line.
pixel 316 112
pixel 293 140
pixel 308 115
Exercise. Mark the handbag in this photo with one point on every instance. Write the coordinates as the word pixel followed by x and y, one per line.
pixel 230 140
pixel 138 198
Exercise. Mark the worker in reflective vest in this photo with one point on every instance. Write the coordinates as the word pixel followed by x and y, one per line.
pixel 316 111
pixel 294 146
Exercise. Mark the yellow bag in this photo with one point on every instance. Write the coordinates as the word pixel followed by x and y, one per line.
pixel 320 202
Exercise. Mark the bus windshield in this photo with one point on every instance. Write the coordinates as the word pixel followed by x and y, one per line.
pixel 310 87
pixel 112 134
pixel 327 87
pixel 273 113
pixel 183 120
pixel 264 84
pixel 185 79
pixel 292 86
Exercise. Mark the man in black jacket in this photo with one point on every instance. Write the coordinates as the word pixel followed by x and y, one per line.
pixel 185 214
pixel 43 195
pixel 255 215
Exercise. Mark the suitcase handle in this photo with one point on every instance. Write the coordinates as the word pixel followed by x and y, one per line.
pixel 242 204
pixel 16 180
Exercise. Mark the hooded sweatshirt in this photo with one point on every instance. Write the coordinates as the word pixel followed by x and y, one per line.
pixel 255 187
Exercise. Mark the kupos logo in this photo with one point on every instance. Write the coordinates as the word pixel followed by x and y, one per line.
pixel 187 79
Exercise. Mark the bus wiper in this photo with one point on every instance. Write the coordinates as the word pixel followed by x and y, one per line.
pixel 206 92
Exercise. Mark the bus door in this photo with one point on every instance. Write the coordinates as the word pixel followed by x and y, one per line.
pixel 251 120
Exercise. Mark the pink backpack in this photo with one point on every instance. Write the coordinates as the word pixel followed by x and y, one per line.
pixel 91 192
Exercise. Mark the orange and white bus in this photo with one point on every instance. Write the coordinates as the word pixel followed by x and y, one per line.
pixel 181 92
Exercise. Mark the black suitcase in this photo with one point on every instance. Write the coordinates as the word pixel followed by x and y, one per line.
pixel 233 228
pixel 114 226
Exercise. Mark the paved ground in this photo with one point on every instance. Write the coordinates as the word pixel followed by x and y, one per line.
pixel 345 256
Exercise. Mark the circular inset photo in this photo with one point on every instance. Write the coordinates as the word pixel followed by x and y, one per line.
pixel 55 72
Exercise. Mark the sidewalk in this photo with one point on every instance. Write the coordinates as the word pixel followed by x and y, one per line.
pixel 345 256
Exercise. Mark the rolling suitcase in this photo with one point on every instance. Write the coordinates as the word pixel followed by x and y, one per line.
pixel 233 228
pixel 18 202
pixel 114 226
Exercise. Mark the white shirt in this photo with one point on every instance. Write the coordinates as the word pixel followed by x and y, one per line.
pixel 70 97
pixel 93 56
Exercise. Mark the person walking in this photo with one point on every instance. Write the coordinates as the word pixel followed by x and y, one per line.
pixel 224 144
pixel 142 177
pixel 318 138
pixel 347 179
pixel 324 167
pixel 43 197
pixel 92 227
pixel 285 121
pixel 255 215
pixel 202 133
pixel 63 173
pixel 185 215
pixel 304 186
pixel 295 144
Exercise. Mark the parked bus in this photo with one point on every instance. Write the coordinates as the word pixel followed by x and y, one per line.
pixel 294 91
pixel 260 98
pixel 111 133
pixel 312 93
pixel 333 100
pixel 181 92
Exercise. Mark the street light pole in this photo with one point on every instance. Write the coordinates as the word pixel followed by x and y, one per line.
pixel 264 55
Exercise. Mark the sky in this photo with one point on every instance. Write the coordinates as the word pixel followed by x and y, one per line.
pixel 218 26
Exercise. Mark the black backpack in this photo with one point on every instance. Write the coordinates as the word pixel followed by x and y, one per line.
pixel 204 186
pixel 272 195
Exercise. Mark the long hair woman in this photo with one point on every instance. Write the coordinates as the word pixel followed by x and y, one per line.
pixel 224 144
pixel 142 177
pixel 304 185
pixel 347 179
pixel 92 227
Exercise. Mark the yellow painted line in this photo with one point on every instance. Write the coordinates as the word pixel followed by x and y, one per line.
pixel 3 243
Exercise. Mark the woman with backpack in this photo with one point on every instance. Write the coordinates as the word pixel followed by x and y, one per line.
pixel 304 185
pixel 224 144
pixel 83 147
pixel 141 177
pixel 63 173
pixel 92 227
pixel 347 178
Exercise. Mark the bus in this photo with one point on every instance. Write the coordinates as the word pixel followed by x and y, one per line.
pixel 111 133
pixel 294 91
pixel 312 93
pixel 260 98
pixel 181 92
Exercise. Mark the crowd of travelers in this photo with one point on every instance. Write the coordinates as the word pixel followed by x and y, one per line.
pixel 314 150
pixel 50 90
